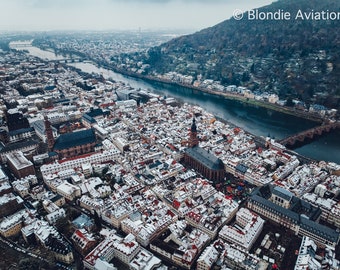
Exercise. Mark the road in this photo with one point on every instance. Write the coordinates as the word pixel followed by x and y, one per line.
pixel 15 247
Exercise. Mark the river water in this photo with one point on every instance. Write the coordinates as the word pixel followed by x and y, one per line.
pixel 256 120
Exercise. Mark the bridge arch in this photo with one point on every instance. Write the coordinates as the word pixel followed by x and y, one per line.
pixel 308 135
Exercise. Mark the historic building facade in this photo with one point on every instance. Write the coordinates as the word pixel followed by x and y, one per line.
pixel 281 207
pixel 75 143
pixel 202 160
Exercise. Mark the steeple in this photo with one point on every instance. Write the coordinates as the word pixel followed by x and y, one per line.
pixel 193 126
pixel 49 133
pixel 193 140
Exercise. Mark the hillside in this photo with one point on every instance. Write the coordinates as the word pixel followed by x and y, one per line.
pixel 297 57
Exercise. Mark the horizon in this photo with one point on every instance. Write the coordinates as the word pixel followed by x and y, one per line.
pixel 118 15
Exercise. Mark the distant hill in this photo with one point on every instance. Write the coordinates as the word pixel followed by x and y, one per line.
pixel 296 57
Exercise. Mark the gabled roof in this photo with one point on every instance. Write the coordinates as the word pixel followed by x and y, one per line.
pixel 305 223
pixel 241 168
pixel 275 208
pixel 96 112
pixel 205 157
pixel 73 139
pixel 281 192
pixel 58 245
pixel 82 221
pixel 49 87
pixel 318 229
pixel 89 119
pixel 39 126
pixel 18 145
pixel 20 131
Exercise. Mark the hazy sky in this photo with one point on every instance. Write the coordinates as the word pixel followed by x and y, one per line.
pixel 118 14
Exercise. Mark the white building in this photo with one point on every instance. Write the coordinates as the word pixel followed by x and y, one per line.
pixel 145 260
pixel 306 258
pixel 54 216
pixel 104 156
pixel 245 231
pixel 207 258
pixel 69 191
pixel 126 249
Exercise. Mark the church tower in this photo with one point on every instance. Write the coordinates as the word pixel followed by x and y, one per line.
pixel 193 140
pixel 49 133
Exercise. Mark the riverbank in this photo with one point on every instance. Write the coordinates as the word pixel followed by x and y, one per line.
pixel 227 95
pixel 253 118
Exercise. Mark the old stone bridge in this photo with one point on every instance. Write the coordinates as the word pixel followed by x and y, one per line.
pixel 308 135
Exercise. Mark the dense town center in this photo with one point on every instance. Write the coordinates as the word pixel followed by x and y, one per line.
pixel 99 174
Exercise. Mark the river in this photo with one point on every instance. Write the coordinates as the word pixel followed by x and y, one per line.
pixel 256 120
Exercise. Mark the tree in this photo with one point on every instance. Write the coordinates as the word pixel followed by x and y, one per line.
pixel 72 213
pixel 28 264
pixel 105 170
pixel 97 220
pixel 154 55
pixel 289 102
pixel 252 68
pixel 245 77
pixel 62 224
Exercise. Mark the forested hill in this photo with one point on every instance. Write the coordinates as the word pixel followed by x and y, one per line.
pixel 297 57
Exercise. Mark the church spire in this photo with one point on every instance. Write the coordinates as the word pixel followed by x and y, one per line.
pixel 49 133
pixel 193 126
pixel 193 140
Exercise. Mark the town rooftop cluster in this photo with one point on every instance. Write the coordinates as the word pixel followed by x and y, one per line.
pixel 120 159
